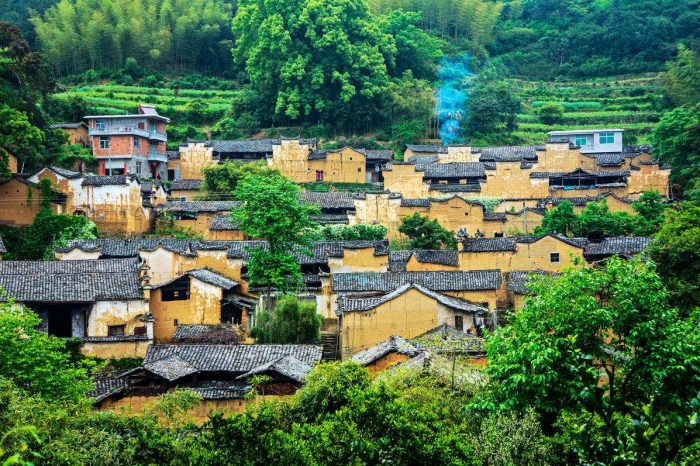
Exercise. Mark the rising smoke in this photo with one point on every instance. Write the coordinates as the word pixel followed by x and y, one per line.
pixel 452 96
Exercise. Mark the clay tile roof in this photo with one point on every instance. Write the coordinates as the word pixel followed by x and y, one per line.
pixel 175 361
pixel 353 304
pixel 426 148
pixel 197 206
pixel 77 281
pixel 2 246
pixel 394 344
pixel 186 185
pixel 224 223
pixel 620 245
pixel 488 244
pixel 415 202
pixel 330 200
pixel 506 153
pixel 455 170
pixel 437 256
pixel 377 154
pixel 287 366
pixel 436 281
pixel 113 180
pixel 517 280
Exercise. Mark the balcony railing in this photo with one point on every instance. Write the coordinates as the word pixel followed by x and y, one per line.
pixel 133 130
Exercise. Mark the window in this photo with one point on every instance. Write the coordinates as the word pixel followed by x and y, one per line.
pixel 498 235
pixel 581 140
pixel 359 169
pixel 554 257
pixel 459 323
pixel 100 125
pixel 104 142
pixel 137 143
pixel 176 291
pixel 319 175
pixel 140 330
pixel 116 330
pixel 607 138
pixel 139 165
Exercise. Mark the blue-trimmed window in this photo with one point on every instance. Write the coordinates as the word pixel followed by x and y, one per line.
pixel 607 138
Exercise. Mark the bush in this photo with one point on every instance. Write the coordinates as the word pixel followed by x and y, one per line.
pixel 550 113
pixel 290 321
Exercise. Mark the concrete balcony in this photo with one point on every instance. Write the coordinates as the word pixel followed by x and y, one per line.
pixel 117 130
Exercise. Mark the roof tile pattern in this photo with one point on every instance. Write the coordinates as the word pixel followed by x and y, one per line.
pixel 435 281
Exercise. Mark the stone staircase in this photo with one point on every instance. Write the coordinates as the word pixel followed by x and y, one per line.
pixel 330 344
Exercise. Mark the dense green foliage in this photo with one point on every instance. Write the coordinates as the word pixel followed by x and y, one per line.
pixel 39 363
pixel 596 217
pixel 77 35
pixel 329 61
pixel 676 250
pixel 546 38
pixel 220 181
pixel 349 233
pixel 272 210
pixel 290 321
pixel 601 355
pixel 49 231
pixel 425 233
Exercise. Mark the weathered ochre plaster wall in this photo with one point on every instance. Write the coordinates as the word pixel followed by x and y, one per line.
pixel 344 166
pixel 404 179
pixel 179 194
pixel 201 224
pixel 408 316
pixel 202 307
pixel 193 158
pixel 292 159
pixel 106 313
pixel 118 349
pixel 413 265
pixel 12 163
pixel 359 260
pixel 118 209
pixel 21 202
pixel 509 180
pixel 648 178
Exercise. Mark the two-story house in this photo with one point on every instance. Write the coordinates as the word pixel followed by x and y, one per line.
pixel 130 144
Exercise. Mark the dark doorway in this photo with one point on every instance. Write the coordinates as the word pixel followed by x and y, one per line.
pixel 231 314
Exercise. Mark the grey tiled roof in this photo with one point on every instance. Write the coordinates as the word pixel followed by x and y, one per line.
pixel 579 173
pixel 248 146
pixel 610 159
pixel 394 344
pixel 113 180
pixel 176 361
pixel 415 202
pixel 186 185
pixel 455 170
pixel 318 155
pixel 197 206
pixel 105 387
pixel 2 246
pixel 377 154
pixel 517 280
pixel 351 304
pixel 421 161
pixel 437 256
pixel 488 244
pixel 207 276
pixel 398 260
pixel 115 247
pixel 173 154
pixel 331 219
pixel 446 339
pixel 330 200
pixel 64 172
pixel 620 245
pixel 456 188
pixel 186 331
pixel 81 281
pixel 498 216
pixel 224 223
pixel 218 390
pixel 576 242
pixel 435 281
pixel 506 153
pixel 67 125
pixel 287 366
pixel 426 148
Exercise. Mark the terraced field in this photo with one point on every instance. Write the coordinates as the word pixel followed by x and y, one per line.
pixel 632 103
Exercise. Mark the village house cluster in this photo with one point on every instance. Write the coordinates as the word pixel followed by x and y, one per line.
pixel 184 305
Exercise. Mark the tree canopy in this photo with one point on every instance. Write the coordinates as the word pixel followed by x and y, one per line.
pixel 220 181
pixel 290 321
pixel 425 233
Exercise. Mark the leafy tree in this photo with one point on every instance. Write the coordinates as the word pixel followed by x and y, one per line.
pixel 596 217
pixel 676 141
pixel 683 77
pixel 492 108
pixel 562 219
pixel 650 209
pixel 550 113
pixel 37 362
pixel 290 321
pixel 599 341
pixel 427 234
pixel 18 136
pixel 220 181
pixel 676 250
pixel 272 210
pixel 349 233
pixel 49 231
